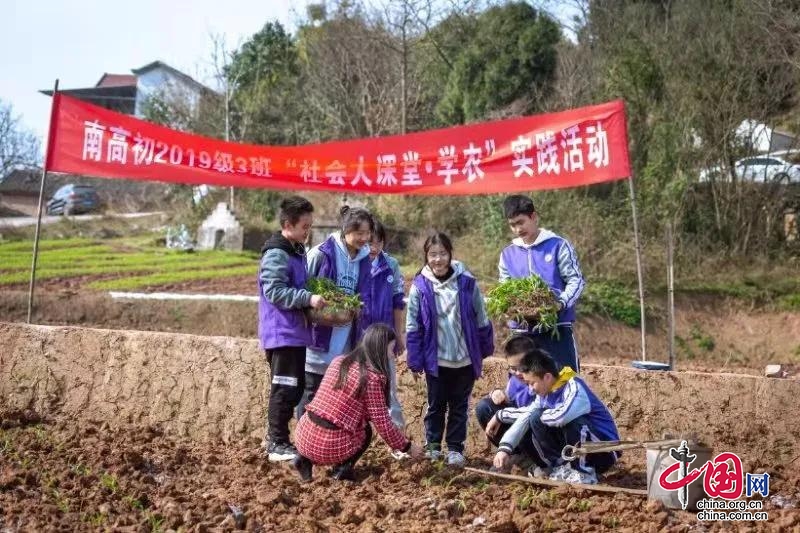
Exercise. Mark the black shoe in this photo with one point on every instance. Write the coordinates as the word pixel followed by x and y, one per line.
pixel 278 451
pixel 344 472
pixel 303 466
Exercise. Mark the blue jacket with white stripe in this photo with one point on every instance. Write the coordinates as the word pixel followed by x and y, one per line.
pixel 552 258
pixel 569 399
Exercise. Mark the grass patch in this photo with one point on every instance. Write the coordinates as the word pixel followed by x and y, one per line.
pixel 176 270
pixel 611 299
pixel 84 257
pixel 790 302
pixel 44 244
pixel 765 289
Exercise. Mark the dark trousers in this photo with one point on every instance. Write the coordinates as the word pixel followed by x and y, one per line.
pixel 561 347
pixel 287 381
pixel 448 399
pixel 485 410
pixel 550 441
pixel 312 383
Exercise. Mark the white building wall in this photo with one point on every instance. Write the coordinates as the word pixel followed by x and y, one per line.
pixel 162 82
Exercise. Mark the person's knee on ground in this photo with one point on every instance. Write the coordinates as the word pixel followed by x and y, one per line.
pixel 485 409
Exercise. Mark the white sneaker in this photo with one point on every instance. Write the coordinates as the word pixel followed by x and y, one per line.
pixel 456 458
pixel 433 455
pixel 585 478
pixel 277 452
pixel 400 456
pixel 561 473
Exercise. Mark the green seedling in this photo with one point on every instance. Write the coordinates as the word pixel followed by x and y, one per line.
pixel 580 506
pixel 155 522
pixel 336 298
pixel 95 519
pixel 524 300
pixel 547 498
pixel 109 481
pixel 62 501
pixel 134 503
pixel 525 500
pixel 81 470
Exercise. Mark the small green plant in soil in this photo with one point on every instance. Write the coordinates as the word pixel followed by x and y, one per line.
pixel 524 300
pixel 109 481
pixel 335 297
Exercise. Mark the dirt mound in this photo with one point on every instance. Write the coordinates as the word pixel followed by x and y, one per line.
pixel 215 387
pixel 233 319
pixel 711 336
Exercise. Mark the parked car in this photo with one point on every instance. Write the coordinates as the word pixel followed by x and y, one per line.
pixel 777 167
pixel 73 199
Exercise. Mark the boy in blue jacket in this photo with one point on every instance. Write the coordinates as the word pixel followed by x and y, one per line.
pixel 565 411
pixel 539 251
pixel 282 328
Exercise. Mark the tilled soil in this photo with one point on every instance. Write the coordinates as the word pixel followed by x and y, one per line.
pixel 59 476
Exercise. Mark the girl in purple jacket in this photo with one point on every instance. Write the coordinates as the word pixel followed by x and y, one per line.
pixel 449 335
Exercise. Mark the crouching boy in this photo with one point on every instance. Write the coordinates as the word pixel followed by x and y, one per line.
pixel 565 411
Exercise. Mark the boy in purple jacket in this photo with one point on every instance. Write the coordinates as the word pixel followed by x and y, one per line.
pixel 539 251
pixel 282 327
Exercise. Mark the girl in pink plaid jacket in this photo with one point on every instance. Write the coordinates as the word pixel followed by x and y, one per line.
pixel 335 429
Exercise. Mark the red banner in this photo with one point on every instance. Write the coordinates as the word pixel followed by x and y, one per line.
pixel 557 150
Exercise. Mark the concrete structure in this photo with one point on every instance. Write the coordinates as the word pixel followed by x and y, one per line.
pixel 220 231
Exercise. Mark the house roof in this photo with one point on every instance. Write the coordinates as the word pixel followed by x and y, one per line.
pixel 160 64
pixel 122 87
pixel 116 80
pixel 24 181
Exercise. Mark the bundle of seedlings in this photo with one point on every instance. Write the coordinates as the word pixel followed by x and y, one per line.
pixel 341 308
pixel 527 301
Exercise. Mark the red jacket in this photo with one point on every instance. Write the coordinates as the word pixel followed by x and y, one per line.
pixel 352 414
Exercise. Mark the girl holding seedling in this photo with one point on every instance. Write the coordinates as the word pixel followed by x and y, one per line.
pixel 343 258
pixel 449 335
pixel 335 429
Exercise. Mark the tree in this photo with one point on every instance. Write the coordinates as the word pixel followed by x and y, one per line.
pixel 690 72
pixel 510 55
pixel 350 80
pixel 263 79
pixel 19 148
